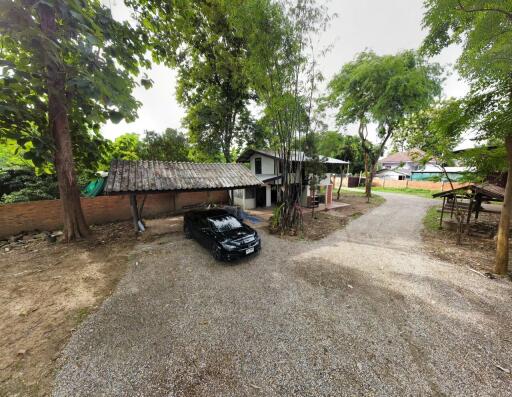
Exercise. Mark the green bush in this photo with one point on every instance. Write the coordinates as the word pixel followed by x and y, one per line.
pixel 18 185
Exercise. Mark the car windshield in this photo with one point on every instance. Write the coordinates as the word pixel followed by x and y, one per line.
pixel 224 223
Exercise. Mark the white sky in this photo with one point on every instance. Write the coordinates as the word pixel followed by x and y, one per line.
pixel 385 26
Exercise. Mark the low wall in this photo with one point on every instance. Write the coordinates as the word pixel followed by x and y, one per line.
pixel 426 185
pixel 46 214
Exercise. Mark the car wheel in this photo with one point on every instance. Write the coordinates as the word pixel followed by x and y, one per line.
pixel 186 231
pixel 217 254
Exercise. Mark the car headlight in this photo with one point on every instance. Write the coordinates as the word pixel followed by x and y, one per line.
pixel 228 246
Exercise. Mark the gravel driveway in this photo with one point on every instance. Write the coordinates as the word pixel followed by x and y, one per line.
pixel 362 312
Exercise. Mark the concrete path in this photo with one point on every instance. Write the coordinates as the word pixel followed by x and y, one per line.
pixel 362 312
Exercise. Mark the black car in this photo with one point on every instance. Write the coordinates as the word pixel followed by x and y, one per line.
pixel 227 237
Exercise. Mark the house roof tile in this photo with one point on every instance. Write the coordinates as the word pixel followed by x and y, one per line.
pixel 152 176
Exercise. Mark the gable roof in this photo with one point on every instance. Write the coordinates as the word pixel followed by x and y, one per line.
pixel 434 168
pixel 413 155
pixel 296 155
pixel 397 170
pixel 488 190
pixel 153 176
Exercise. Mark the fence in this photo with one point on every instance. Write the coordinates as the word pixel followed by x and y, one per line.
pixel 405 184
pixel 408 184
pixel 46 214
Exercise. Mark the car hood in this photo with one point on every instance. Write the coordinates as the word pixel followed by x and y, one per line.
pixel 238 235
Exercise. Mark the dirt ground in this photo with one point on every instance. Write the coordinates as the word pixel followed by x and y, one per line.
pixel 477 252
pixel 325 223
pixel 46 290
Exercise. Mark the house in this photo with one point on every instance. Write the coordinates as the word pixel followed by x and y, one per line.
pixel 432 172
pixel 397 174
pixel 400 165
pixel 267 166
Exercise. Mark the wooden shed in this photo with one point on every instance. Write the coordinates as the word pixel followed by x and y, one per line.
pixel 144 176
pixel 470 199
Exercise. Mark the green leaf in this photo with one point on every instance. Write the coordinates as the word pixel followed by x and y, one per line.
pixel 115 116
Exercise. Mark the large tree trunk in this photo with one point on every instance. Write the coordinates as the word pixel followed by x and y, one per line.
pixel 369 180
pixel 73 218
pixel 501 265
pixel 341 182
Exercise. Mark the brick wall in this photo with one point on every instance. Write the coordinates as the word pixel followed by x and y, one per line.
pixel 46 214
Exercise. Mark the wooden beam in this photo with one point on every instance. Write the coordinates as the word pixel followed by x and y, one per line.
pixel 442 212
pixel 469 210
pixel 135 212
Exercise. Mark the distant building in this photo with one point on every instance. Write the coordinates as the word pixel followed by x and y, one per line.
pixel 400 165
pixel 432 171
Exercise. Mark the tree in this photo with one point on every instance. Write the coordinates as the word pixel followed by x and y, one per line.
pixel 282 70
pixel 484 29
pixel 343 147
pixel 124 147
pixel 11 155
pixel 23 184
pixel 169 146
pixel 209 55
pixel 384 90
pixel 314 166
pixel 67 67
pixel 437 131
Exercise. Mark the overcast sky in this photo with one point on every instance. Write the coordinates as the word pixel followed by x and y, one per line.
pixel 385 26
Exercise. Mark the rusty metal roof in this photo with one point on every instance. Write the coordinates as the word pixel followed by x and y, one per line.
pixel 295 155
pixel 488 190
pixel 147 176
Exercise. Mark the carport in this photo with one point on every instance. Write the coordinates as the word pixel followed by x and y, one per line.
pixel 148 176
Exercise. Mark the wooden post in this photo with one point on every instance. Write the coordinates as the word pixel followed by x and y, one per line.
pixel 135 212
pixel 442 212
pixel 469 210
pixel 478 205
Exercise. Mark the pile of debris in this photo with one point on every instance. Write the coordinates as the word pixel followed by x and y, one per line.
pixel 23 238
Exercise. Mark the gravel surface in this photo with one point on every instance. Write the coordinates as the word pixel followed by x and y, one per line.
pixel 361 312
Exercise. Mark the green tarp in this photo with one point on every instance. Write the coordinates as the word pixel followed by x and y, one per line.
pixel 94 188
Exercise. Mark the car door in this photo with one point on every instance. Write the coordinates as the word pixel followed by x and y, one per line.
pixel 203 232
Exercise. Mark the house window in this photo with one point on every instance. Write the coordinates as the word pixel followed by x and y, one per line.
pixel 257 165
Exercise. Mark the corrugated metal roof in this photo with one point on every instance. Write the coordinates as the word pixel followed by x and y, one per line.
pixel 413 155
pixel 490 190
pixel 487 189
pixel 295 155
pixel 146 176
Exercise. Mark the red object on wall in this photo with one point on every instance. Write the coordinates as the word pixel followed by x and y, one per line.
pixel 328 195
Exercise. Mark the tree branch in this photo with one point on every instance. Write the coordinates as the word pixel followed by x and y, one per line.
pixel 508 14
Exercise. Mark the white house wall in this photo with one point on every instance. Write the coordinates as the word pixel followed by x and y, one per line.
pixel 241 200
pixel 267 164
pixel 389 175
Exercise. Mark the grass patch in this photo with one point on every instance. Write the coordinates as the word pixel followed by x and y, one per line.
pixel 81 314
pixel 431 219
pixel 375 199
pixel 415 192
